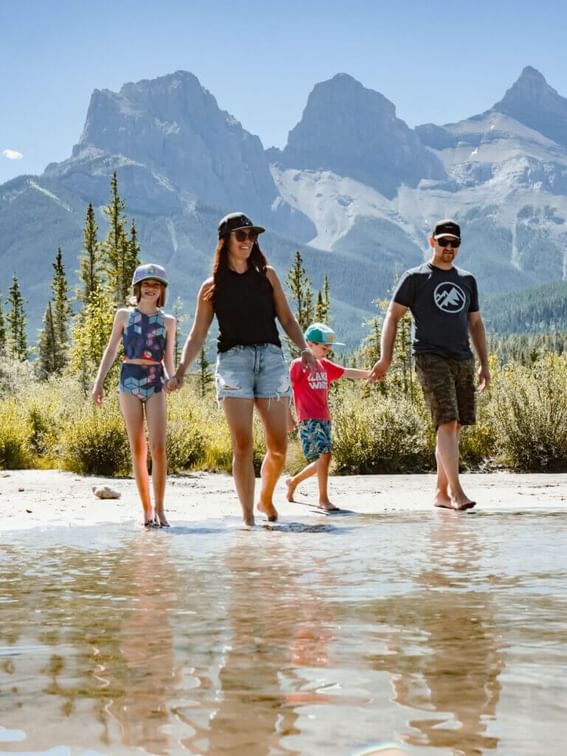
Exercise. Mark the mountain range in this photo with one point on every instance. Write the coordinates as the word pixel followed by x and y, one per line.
pixel 355 189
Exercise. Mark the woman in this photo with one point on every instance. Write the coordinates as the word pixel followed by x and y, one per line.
pixel 148 336
pixel 246 296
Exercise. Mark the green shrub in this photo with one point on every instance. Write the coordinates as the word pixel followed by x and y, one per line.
pixel 529 409
pixel 383 435
pixel 95 441
pixel 14 452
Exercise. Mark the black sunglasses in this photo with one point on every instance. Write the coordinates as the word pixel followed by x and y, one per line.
pixel 242 234
pixel 455 243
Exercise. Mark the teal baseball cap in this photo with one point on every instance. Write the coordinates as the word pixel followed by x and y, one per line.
pixel 319 333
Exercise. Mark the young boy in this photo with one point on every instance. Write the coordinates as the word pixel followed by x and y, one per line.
pixel 310 396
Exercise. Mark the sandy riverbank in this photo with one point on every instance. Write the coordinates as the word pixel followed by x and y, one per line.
pixel 46 498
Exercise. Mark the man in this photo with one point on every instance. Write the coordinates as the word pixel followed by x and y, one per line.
pixel 443 301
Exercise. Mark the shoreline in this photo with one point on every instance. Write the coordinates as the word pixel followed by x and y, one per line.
pixel 53 498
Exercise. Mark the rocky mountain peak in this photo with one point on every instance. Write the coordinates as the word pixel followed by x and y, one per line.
pixel 533 102
pixel 353 131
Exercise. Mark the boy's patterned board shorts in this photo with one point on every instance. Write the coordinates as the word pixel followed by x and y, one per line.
pixel 448 387
pixel 315 436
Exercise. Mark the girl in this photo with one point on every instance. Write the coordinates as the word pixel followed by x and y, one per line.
pixel 148 335
pixel 246 296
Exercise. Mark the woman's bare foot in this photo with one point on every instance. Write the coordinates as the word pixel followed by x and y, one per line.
pixel 161 519
pixel 269 510
pixel 328 506
pixel 290 489
pixel 442 499
pixel 456 503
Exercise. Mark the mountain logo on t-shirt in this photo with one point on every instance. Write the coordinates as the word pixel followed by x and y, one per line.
pixel 449 297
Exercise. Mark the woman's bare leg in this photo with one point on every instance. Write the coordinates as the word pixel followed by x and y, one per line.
pixel 238 413
pixel 274 414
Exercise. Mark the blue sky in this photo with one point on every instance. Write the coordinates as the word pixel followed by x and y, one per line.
pixel 436 61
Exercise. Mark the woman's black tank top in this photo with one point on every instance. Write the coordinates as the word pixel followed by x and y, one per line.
pixel 244 306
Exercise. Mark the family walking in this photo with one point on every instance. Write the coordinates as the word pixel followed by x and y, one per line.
pixel 246 297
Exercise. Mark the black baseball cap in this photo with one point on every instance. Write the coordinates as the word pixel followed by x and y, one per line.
pixel 446 227
pixel 234 221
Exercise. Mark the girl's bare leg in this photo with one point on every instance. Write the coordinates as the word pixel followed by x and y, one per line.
pixel 133 413
pixel 156 415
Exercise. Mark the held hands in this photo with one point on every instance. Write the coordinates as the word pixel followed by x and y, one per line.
pixel 308 362
pixel 378 372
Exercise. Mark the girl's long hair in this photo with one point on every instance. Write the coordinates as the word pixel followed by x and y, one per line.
pixel 256 261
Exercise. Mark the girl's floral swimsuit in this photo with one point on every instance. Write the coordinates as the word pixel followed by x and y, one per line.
pixel 144 339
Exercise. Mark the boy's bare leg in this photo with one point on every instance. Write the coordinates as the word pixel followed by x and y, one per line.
pixel 307 472
pixel 324 462
pixel 449 493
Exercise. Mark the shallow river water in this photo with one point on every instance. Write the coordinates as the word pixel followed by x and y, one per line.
pixel 439 632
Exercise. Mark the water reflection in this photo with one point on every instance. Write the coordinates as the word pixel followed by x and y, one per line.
pixel 444 651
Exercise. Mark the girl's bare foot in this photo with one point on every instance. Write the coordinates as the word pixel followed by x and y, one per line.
pixel 290 489
pixel 269 510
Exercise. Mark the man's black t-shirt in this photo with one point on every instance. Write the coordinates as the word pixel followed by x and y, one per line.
pixel 440 302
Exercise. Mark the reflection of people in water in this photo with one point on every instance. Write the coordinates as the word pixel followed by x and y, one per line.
pixel 144 674
pixel 273 633
pixel 446 657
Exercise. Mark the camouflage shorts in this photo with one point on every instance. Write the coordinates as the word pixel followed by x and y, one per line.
pixel 448 387
pixel 315 438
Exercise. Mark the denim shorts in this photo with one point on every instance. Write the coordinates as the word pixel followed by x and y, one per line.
pixel 252 372
pixel 315 436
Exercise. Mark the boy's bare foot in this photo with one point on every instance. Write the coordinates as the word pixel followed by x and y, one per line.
pixel 269 510
pixel 290 489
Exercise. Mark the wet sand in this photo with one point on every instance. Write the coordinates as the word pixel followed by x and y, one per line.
pixel 45 498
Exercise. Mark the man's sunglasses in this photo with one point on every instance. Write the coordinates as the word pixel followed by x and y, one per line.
pixel 444 242
pixel 242 235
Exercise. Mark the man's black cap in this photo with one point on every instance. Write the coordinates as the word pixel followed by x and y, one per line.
pixel 234 221
pixel 446 227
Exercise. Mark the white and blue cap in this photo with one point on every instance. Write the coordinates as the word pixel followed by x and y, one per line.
pixel 149 271
pixel 319 333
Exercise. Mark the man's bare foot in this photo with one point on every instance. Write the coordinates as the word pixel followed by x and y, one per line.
pixel 162 519
pixel 269 510
pixel 290 489
pixel 443 500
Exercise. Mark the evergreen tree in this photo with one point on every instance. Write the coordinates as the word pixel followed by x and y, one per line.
pixel 117 248
pixel 62 310
pixel 323 306
pixel 90 335
pixel 180 317
pixel 301 295
pixel 2 329
pixel 134 249
pixel 205 377
pixel 50 357
pixel 90 260
pixel 17 344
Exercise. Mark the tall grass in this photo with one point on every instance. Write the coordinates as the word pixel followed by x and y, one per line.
pixel 521 425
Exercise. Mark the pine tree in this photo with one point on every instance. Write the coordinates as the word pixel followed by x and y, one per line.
pixel 62 310
pixel 50 358
pixel 17 344
pixel 134 250
pixel 323 306
pixel 2 329
pixel 180 318
pixel 91 332
pixel 205 377
pixel 301 295
pixel 117 248
pixel 90 261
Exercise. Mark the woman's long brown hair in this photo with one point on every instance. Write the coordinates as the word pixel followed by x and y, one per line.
pixel 256 261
